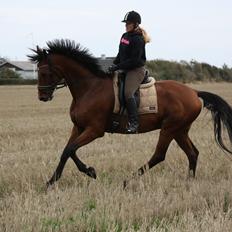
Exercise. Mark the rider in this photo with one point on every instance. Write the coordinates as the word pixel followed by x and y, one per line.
pixel 131 59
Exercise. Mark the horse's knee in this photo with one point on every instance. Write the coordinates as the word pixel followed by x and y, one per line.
pixel 64 157
pixel 68 151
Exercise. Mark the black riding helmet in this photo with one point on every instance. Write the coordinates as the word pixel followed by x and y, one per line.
pixel 132 17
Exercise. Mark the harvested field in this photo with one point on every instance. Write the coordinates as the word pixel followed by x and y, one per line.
pixel 32 137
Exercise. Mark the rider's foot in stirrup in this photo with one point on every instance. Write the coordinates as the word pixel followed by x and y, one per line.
pixel 132 129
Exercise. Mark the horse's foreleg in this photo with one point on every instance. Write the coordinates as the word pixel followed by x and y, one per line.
pixel 90 171
pixel 85 137
pixel 76 141
pixel 159 155
pixel 57 174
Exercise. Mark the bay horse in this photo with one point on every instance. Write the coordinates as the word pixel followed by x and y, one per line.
pixel 91 111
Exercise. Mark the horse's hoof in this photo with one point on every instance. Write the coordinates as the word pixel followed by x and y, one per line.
pixel 48 185
pixel 91 172
pixel 125 183
pixel 191 174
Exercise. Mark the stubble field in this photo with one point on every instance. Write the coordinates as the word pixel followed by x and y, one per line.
pixel 32 137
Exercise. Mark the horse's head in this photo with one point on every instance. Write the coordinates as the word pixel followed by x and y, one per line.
pixel 48 77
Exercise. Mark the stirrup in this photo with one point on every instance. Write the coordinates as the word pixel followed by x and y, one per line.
pixel 132 129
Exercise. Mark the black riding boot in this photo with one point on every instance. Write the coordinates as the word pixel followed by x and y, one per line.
pixel 132 111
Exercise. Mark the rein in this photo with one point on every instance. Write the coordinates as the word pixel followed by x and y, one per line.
pixel 52 87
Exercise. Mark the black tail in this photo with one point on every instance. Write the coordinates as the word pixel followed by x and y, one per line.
pixel 221 113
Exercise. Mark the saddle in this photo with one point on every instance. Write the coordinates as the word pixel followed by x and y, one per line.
pixel 146 96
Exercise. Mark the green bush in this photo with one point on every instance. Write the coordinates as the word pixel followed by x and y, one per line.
pixel 188 72
pixel 17 81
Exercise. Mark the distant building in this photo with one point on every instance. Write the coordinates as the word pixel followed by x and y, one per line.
pixel 25 69
pixel 2 60
pixel 105 62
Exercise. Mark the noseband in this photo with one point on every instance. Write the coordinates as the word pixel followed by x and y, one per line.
pixel 53 86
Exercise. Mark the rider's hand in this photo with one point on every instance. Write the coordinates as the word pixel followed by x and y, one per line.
pixel 112 68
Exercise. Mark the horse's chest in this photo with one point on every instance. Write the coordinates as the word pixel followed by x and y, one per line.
pixel 79 115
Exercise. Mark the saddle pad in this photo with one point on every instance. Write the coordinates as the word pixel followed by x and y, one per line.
pixel 148 97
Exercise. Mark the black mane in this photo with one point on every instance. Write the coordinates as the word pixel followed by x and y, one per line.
pixel 71 50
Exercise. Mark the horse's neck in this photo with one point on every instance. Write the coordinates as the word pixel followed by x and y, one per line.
pixel 83 83
pixel 78 79
pixel 78 88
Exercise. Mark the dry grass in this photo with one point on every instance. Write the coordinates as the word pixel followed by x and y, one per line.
pixel 32 136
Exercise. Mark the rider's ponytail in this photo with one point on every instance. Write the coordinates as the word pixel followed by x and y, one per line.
pixel 146 37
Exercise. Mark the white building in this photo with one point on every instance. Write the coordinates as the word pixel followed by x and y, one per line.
pixel 25 69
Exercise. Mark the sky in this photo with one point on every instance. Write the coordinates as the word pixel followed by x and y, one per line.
pixel 187 30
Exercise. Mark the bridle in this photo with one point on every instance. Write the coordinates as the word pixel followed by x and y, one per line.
pixel 52 87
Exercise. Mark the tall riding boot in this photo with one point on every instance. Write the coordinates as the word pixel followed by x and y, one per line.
pixel 132 111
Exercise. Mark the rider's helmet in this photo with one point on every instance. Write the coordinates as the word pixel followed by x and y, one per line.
pixel 132 17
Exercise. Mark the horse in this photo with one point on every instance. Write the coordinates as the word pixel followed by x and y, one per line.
pixel 65 62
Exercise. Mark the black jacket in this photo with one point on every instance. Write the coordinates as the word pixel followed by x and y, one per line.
pixel 131 51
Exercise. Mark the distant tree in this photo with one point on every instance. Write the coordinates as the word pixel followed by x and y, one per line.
pixel 188 72
pixel 226 73
pixel 6 73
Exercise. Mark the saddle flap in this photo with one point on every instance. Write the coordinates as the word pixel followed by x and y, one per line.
pixel 147 96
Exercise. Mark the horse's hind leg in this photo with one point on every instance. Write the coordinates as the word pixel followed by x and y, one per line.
pixel 165 139
pixel 190 150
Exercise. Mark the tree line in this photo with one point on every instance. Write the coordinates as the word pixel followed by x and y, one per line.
pixel 169 70
pixel 188 71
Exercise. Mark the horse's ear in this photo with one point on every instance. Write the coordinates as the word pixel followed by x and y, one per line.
pixel 44 53
pixel 38 48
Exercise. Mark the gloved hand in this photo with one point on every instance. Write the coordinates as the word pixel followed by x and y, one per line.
pixel 112 68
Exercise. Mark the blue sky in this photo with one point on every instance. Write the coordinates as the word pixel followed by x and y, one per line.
pixel 180 29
